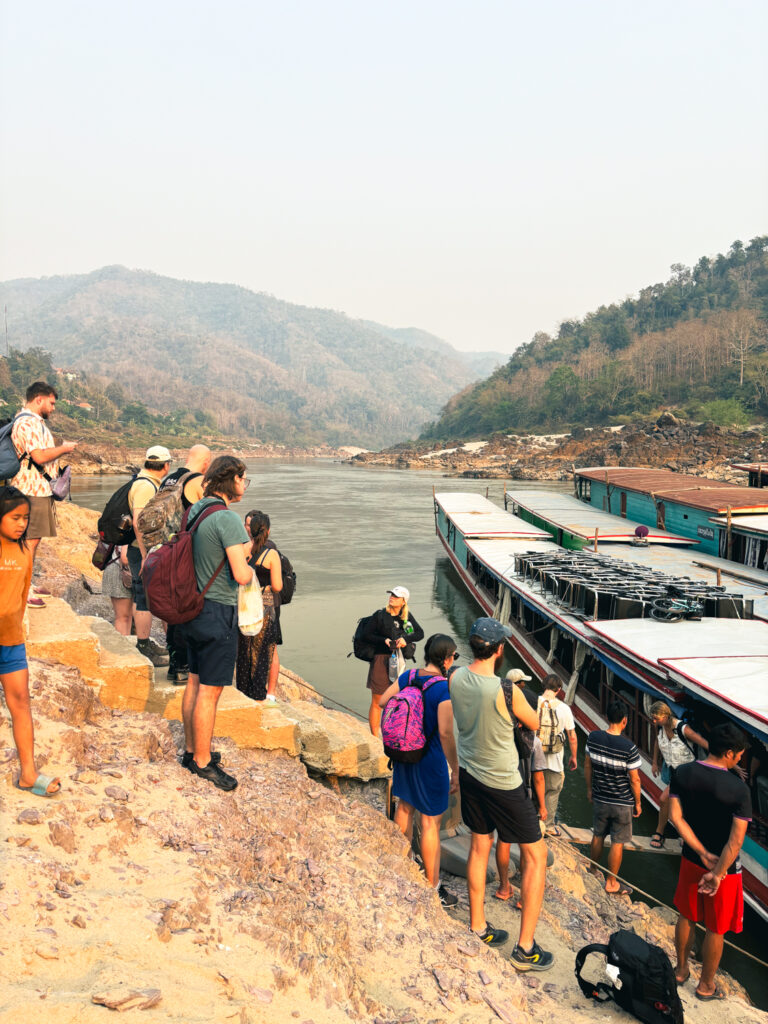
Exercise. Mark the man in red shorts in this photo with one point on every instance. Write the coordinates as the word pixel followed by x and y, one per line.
pixel 710 807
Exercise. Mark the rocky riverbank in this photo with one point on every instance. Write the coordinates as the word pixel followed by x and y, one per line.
pixel 141 888
pixel 702 449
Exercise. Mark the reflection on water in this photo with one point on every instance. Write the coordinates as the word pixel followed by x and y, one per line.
pixel 351 533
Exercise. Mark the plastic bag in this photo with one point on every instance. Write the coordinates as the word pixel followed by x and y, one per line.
pixel 250 608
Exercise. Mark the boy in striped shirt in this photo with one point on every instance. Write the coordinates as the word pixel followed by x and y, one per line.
pixel 612 773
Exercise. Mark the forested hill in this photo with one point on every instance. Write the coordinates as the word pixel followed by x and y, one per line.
pixel 697 343
pixel 256 366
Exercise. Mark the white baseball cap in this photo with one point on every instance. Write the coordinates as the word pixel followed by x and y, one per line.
pixel 516 675
pixel 400 592
pixel 157 453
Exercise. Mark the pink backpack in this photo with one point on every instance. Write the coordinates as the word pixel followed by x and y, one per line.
pixel 402 721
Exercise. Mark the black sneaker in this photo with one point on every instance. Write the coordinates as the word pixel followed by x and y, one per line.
pixel 446 898
pixel 213 773
pixel 187 756
pixel 492 936
pixel 537 960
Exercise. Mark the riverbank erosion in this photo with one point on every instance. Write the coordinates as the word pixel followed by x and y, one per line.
pixel 292 898
pixel 702 449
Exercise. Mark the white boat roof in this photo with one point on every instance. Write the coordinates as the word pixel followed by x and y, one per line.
pixel 476 516
pixel 577 517
pixel 651 642
pixel 737 684
pixel 499 555
pixel 754 524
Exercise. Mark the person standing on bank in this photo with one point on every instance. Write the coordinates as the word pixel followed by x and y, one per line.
pixel 425 785
pixel 674 742
pixel 549 707
pixel 258 664
pixel 711 808
pixel 38 453
pixel 612 773
pixel 391 629
pixel 220 549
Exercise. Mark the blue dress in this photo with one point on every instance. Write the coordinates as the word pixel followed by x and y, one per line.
pixel 425 785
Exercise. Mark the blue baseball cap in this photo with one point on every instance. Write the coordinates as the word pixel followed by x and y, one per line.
pixel 490 630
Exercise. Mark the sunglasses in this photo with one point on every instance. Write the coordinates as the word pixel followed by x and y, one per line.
pixel 456 655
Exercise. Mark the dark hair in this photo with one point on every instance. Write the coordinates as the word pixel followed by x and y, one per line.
pixel 551 682
pixel 481 649
pixel 726 737
pixel 154 464
pixel 11 498
pixel 259 527
pixel 40 388
pixel 438 649
pixel 220 476
pixel 616 712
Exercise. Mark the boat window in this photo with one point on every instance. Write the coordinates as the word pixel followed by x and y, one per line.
pixel 660 515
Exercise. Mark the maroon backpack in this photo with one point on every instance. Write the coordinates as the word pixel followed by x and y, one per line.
pixel 170 583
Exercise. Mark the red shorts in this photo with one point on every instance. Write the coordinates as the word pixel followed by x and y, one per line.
pixel 721 913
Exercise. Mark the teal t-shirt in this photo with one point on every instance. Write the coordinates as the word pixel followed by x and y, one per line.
pixel 211 538
pixel 486 732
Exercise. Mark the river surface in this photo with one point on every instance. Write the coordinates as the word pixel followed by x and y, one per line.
pixel 352 533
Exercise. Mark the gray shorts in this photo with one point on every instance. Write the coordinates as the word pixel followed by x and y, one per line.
pixel 112 583
pixel 42 518
pixel 613 818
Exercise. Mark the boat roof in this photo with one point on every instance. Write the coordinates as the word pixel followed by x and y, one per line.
pixel 650 641
pixel 476 516
pixel 499 554
pixel 734 683
pixel 751 524
pixel 581 519
pixel 696 491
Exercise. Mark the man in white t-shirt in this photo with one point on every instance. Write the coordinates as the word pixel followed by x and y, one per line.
pixel 555 720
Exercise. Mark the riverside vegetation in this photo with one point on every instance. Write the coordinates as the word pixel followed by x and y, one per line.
pixel 286 900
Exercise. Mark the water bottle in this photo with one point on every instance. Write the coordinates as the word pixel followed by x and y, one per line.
pixel 393 665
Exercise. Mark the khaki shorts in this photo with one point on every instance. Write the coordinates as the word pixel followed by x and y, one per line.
pixel 42 518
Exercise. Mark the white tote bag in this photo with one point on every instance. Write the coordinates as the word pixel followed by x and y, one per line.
pixel 250 608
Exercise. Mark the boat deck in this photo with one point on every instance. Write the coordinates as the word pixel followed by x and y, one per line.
pixel 581 520
pixel 476 516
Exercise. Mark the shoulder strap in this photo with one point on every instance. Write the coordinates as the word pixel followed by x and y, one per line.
pixel 681 736
pixel 200 516
pixel 591 990
pixel 508 688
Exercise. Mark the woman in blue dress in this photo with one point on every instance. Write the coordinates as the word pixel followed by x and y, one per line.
pixel 426 785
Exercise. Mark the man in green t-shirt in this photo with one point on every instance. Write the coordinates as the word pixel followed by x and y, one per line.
pixel 493 797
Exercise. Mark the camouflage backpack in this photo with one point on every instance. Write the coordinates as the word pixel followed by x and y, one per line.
pixel 161 516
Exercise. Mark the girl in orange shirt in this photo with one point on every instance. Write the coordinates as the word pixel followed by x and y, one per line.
pixel 15 577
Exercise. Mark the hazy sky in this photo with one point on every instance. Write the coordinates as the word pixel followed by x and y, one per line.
pixel 481 170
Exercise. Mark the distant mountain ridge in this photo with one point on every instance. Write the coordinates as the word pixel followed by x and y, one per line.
pixel 260 366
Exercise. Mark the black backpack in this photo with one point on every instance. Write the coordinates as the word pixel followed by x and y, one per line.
pixel 115 523
pixel 648 986
pixel 362 647
pixel 289 580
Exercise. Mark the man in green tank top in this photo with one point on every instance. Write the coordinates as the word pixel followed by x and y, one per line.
pixel 493 797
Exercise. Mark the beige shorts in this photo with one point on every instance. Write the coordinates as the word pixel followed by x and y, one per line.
pixel 42 518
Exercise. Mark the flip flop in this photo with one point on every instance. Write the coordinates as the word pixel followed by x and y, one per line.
pixel 657 841
pixel 717 994
pixel 623 890
pixel 504 898
pixel 555 832
pixel 42 783
pixel 682 981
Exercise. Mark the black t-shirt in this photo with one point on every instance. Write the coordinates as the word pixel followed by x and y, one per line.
pixel 710 798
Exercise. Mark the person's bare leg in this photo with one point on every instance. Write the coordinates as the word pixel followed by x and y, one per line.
pixel 595 853
pixel 616 852
pixel 711 952
pixel 274 671
pixel 16 691
pixel 685 934
pixel 374 715
pixel 504 890
pixel 477 865
pixel 404 819
pixel 533 870
pixel 32 544
pixel 143 622
pixel 188 702
pixel 663 812
pixel 121 606
pixel 203 720
pixel 430 847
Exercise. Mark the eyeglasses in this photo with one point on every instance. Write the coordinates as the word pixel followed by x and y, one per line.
pixel 456 655
pixel 246 482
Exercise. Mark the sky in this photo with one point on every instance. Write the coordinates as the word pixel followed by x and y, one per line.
pixel 479 170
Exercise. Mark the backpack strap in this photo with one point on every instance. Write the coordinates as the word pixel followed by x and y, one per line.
pixel 681 736
pixel 216 507
pixel 508 689
pixel 592 990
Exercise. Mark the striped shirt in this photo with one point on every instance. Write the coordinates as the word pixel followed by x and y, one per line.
pixel 612 758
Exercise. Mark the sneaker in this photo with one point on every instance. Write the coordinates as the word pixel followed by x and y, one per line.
pixel 187 756
pixel 35 602
pixel 149 650
pixel 537 960
pixel 181 677
pixel 213 773
pixel 492 936
pixel 446 898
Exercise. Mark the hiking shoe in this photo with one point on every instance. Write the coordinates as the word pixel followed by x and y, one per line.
pixel 177 676
pixel 213 773
pixel 151 650
pixel 446 898
pixel 492 936
pixel 537 960
pixel 188 756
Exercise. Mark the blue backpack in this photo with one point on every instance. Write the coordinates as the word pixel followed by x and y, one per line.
pixel 10 463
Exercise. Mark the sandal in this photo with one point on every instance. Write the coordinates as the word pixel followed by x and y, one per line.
pixel 717 994
pixel 657 841
pixel 623 890
pixel 41 786
pixel 554 832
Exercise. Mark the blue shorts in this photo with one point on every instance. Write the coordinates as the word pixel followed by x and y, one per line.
pixel 139 598
pixel 212 643
pixel 12 659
